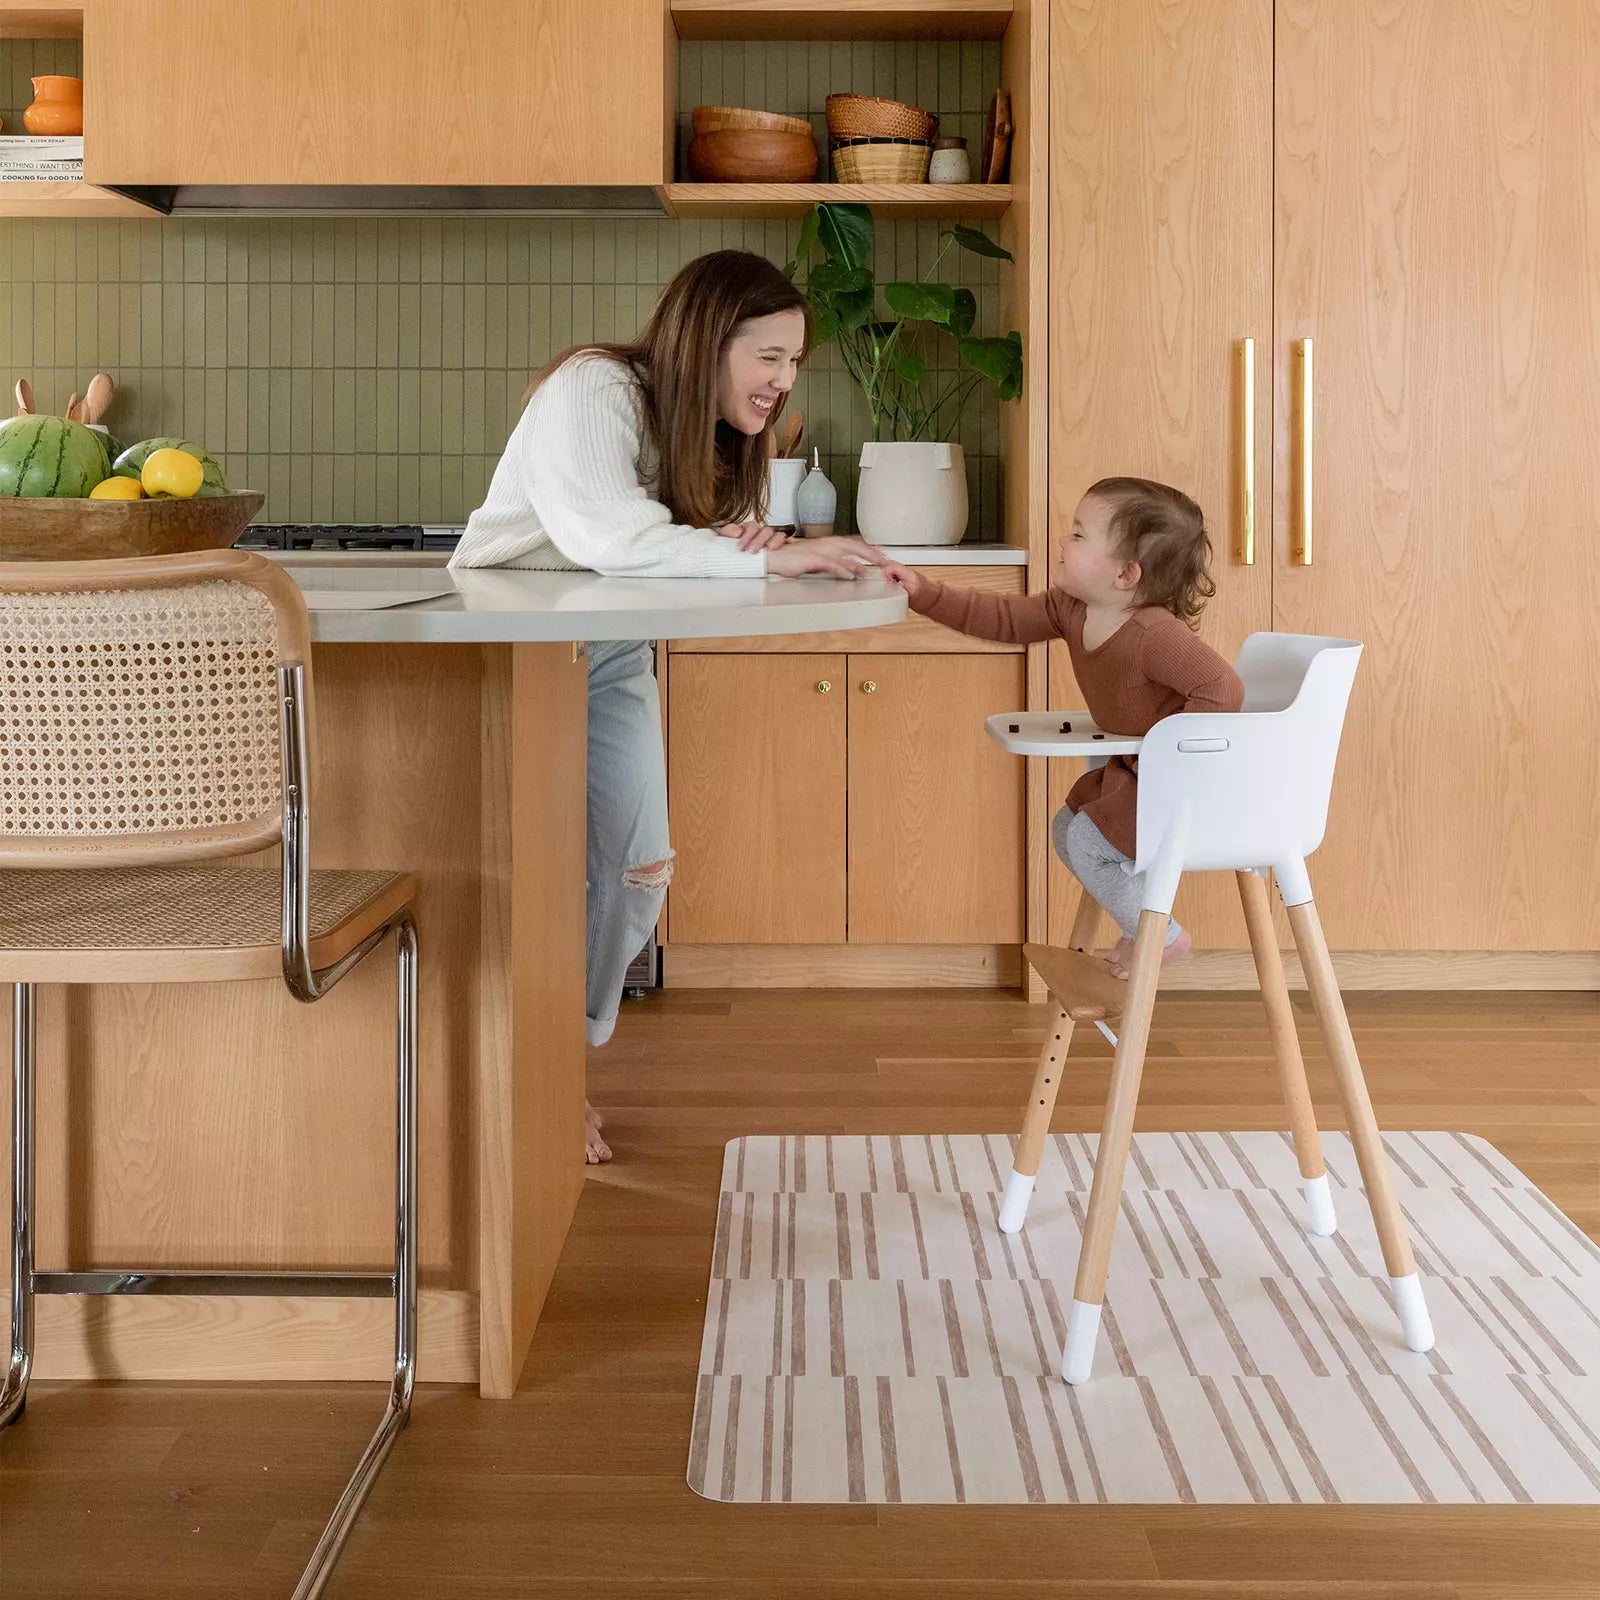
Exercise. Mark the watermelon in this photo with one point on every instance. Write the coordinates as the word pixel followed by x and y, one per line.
pixel 49 456
pixel 131 462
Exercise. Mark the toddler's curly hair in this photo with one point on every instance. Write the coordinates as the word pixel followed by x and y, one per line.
pixel 1165 532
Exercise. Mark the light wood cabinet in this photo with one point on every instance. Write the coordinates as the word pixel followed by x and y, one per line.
pixel 867 815
pixel 1433 244
pixel 1161 253
pixel 756 786
pixel 498 92
pixel 935 812
pixel 1399 189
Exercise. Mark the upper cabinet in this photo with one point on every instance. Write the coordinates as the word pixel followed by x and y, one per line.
pixel 410 92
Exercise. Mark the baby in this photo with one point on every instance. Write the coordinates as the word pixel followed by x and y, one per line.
pixel 1130 584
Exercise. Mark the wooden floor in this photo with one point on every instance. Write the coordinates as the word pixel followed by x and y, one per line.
pixel 577 1486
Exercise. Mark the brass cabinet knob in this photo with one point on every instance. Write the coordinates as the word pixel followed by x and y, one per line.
pixel 869 687
pixel 824 687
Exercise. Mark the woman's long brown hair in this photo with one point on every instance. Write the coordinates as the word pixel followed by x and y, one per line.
pixel 708 471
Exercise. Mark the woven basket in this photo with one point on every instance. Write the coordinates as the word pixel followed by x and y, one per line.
pixel 717 119
pixel 882 161
pixel 865 116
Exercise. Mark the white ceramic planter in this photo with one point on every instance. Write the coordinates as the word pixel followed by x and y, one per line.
pixel 912 493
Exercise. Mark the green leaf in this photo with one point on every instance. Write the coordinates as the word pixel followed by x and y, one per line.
pixel 830 278
pixel 855 309
pixel 923 302
pixel 980 244
pixel 824 326
pixel 964 314
pixel 910 367
pixel 810 223
pixel 846 232
pixel 999 360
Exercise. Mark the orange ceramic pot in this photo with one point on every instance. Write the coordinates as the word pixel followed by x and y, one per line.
pixel 57 106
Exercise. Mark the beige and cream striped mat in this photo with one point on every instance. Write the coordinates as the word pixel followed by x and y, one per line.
pixel 872 1336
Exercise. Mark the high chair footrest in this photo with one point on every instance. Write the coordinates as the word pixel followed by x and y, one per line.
pixel 1080 982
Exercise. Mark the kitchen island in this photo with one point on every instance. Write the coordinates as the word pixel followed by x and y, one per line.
pixel 228 1126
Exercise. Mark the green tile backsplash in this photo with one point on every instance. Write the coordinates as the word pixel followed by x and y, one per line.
pixel 359 369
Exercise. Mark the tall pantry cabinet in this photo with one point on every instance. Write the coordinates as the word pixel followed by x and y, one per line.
pixel 1398 202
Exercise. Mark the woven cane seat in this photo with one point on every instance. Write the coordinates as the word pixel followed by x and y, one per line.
pixel 180 923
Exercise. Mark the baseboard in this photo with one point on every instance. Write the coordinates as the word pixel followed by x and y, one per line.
pixel 938 966
pixel 1402 969
pixel 842 966
pixel 245 1338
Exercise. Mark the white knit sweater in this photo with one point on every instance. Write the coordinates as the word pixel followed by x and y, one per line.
pixel 574 490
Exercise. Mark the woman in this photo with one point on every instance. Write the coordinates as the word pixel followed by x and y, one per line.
pixel 649 459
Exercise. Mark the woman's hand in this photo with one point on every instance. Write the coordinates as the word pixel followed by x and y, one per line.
pixel 833 558
pixel 754 535
pixel 904 578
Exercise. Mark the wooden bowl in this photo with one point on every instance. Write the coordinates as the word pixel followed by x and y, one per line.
pixel 94 530
pixel 717 119
pixel 753 155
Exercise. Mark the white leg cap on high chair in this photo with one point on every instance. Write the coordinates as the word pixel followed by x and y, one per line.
pixel 1083 1329
pixel 1321 1218
pixel 1415 1323
pixel 1014 1203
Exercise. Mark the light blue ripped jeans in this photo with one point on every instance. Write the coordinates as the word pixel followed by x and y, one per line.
pixel 627 821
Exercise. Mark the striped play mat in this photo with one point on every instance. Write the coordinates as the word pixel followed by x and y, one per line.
pixel 872 1336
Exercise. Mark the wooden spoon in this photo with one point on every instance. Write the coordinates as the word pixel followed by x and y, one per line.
pixel 24 398
pixel 96 399
pixel 789 438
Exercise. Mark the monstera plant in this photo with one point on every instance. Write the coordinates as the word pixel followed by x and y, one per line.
pixel 908 399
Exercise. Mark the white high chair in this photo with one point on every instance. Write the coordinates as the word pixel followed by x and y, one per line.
pixel 1247 792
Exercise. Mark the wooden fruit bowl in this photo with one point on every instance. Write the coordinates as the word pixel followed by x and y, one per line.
pixel 89 530
pixel 753 155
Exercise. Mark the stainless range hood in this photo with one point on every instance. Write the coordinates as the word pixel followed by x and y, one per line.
pixel 400 200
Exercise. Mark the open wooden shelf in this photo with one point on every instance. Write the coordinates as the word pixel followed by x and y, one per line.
pixel 67 200
pixel 912 200
pixel 40 19
pixel 841 19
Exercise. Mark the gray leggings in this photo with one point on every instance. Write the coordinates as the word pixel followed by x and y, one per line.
pixel 1098 866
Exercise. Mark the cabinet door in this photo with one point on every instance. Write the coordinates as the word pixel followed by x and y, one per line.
pixel 756 775
pixel 1434 242
pixel 1161 256
pixel 407 92
pixel 936 806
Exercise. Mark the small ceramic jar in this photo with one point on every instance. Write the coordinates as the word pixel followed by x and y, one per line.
pixel 949 162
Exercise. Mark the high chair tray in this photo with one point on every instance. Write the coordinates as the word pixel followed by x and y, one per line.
pixel 1057 733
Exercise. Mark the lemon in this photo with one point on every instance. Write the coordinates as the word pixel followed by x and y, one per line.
pixel 117 489
pixel 172 472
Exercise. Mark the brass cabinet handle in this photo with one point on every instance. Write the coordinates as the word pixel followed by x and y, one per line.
pixel 1300 459
pixel 1245 467
pixel 824 687
pixel 869 687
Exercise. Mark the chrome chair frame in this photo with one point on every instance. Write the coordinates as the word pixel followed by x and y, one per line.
pixel 308 985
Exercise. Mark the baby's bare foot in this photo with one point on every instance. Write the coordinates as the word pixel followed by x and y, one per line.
pixel 595 1149
pixel 1118 957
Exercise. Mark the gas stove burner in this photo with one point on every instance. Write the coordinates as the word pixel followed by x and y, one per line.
pixel 348 536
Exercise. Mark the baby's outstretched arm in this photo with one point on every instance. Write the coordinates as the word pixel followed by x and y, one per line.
pixel 1005 619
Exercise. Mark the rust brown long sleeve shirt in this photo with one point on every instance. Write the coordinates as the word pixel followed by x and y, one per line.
pixel 1150 668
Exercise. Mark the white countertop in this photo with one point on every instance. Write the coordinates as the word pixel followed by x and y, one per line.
pixel 495 605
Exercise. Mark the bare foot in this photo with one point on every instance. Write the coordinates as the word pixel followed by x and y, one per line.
pixel 595 1149
pixel 1118 957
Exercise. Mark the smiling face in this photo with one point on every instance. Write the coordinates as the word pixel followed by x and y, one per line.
pixel 759 365
pixel 1088 566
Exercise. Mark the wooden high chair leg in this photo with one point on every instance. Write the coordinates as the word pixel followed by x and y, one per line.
pixel 1046 1085
pixel 1320 1217
pixel 1036 1123
pixel 1370 1156
pixel 1116 1138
